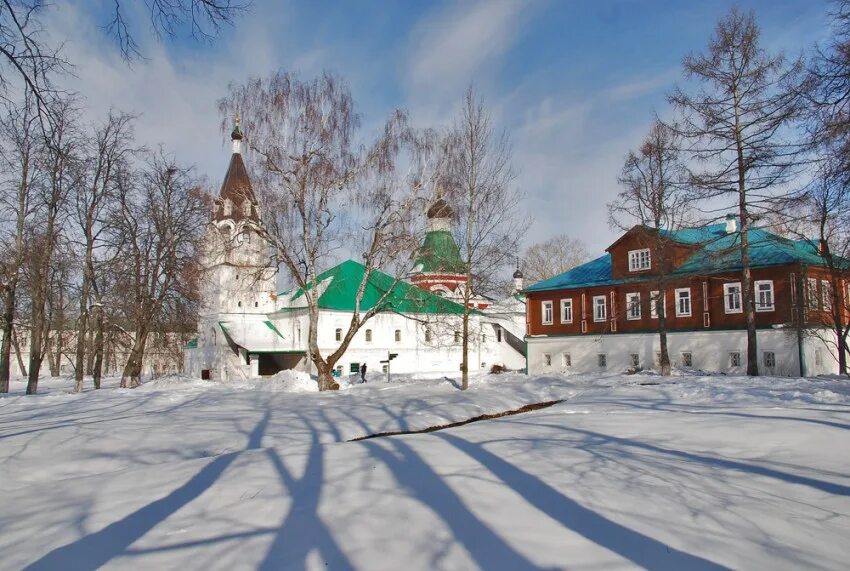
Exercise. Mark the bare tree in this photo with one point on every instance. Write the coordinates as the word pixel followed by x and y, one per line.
pixel 551 257
pixel 324 195
pixel 737 127
pixel 57 161
pixel 489 223
pixel 157 232
pixel 653 197
pixel 109 151
pixel 20 133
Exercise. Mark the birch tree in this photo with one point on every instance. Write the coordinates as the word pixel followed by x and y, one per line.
pixel 325 194
pixel 553 256
pixel 736 125
pixel 489 223
pixel 653 196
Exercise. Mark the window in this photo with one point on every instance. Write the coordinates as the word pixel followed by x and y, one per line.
pixel 764 295
pixel 547 312
pixel 246 207
pixel 427 334
pixel 635 358
pixel 818 357
pixel 734 359
pixel 599 312
pixel 769 359
pixel 483 337
pixel 683 302
pixel 256 304
pixel 566 311
pixel 602 360
pixel 566 360
pixel 246 236
pixel 654 299
pixel 338 334
pixel 732 297
pixel 812 293
pixel 398 335
pixel 826 293
pixel 547 359
pixel 658 358
pixel 499 334
pixel 639 260
pixel 239 304
pixel 457 336
pixel 687 359
pixel 368 336
pixel 632 306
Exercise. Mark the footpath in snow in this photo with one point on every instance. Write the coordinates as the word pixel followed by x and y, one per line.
pixel 688 472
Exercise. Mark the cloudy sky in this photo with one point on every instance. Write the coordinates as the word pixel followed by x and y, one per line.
pixel 576 82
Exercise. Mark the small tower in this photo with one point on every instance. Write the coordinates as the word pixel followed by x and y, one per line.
pixel 518 280
pixel 439 268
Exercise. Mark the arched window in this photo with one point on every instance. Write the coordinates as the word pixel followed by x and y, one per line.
pixel 338 334
pixel 246 236
pixel 239 303
pixel 398 335
pixel 368 336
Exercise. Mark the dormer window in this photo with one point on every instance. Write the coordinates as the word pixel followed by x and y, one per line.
pixel 228 207
pixel 246 207
pixel 639 260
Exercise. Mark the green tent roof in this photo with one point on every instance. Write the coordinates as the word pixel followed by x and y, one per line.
pixel 439 253
pixel 342 282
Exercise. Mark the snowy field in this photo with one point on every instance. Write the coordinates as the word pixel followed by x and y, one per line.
pixel 628 471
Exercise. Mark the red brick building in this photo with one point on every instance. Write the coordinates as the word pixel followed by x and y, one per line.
pixel 603 315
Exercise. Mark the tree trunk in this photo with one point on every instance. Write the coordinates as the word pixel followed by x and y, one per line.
pixel 82 331
pixel 6 347
pixel 18 354
pixel 132 375
pixel 662 332
pixel 36 338
pixel 464 365
pixel 98 348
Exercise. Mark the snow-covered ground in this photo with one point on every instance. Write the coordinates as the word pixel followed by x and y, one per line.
pixel 688 472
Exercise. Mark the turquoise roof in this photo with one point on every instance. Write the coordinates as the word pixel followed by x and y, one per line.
pixel 719 252
pixel 342 281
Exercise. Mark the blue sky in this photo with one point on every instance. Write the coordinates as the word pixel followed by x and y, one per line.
pixel 575 82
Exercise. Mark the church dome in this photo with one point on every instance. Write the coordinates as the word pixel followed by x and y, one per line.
pixel 518 274
pixel 440 209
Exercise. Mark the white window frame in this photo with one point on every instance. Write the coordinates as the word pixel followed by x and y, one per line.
pixel 759 305
pixel 567 308
pixel 812 297
pixel 640 260
pixel 596 317
pixel 680 313
pixel 732 358
pixel 633 301
pixel 826 295
pixel 772 357
pixel 727 307
pixel 654 298
pixel 546 309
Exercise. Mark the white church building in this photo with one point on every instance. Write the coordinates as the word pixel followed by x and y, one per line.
pixel 248 329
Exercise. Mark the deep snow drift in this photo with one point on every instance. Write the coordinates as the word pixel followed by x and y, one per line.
pixel 680 473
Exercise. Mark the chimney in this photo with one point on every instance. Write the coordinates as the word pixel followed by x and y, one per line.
pixel 731 223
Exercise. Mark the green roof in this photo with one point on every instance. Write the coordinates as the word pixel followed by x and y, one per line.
pixel 342 281
pixel 192 344
pixel 718 252
pixel 439 253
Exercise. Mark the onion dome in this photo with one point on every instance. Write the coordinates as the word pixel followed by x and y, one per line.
pixel 440 209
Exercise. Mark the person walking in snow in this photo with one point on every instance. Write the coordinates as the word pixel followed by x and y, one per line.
pixel 363 372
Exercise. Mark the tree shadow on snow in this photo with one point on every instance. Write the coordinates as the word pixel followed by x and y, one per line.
pixel 485 547
pixel 96 549
pixel 638 548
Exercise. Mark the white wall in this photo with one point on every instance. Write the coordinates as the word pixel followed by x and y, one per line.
pixel 709 350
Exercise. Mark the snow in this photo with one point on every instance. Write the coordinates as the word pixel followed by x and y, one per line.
pixel 688 472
